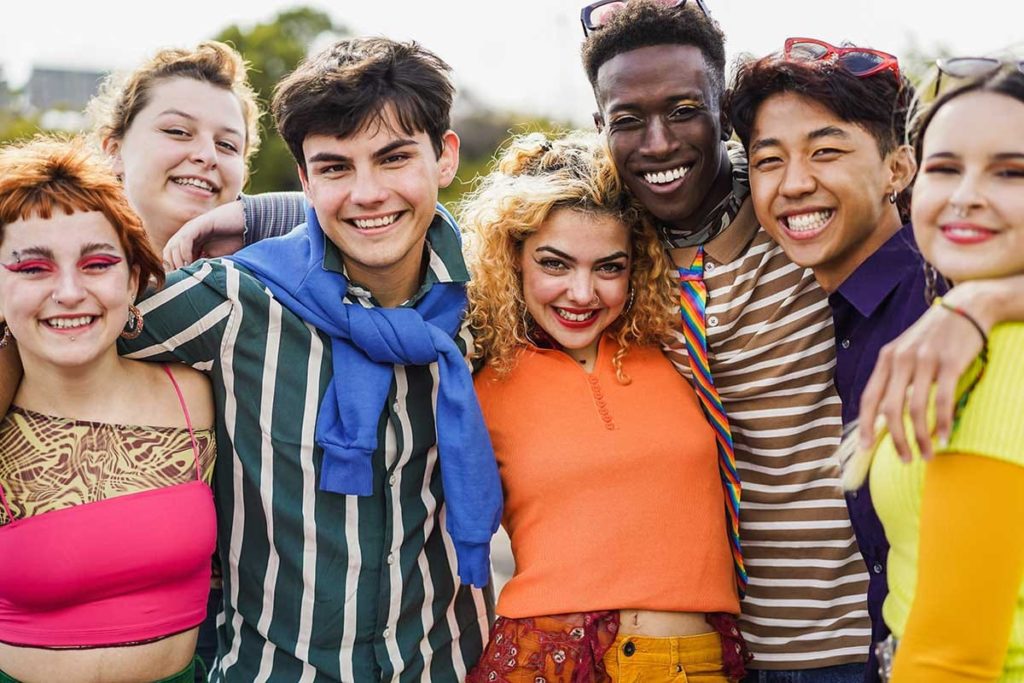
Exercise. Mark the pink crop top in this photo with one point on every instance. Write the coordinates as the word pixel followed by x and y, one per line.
pixel 122 570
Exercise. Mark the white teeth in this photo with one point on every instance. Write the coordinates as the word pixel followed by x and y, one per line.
pixel 662 177
pixel 806 222
pixel 575 317
pixel 65 323
pixel 963 231
pixel 365 224
pixel 196 182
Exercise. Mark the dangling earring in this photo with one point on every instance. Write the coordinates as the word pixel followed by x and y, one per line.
pixel 6 339
pixel 527 326
pixel 133 328
pixel 893 196
pixel 629 303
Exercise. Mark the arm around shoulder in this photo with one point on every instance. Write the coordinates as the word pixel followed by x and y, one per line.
pixel 188 318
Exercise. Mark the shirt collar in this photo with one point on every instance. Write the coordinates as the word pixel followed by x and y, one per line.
pixel 868 286
pixel 443 253
pixel 733 240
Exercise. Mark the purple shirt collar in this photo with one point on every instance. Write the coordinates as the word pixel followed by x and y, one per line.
pixel 894 262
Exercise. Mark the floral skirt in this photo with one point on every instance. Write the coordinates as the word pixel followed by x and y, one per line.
pixel 561 648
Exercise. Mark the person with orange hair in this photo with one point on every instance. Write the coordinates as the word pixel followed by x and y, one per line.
pixel 107 522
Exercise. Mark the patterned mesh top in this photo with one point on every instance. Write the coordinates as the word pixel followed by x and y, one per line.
pixel 49 463
pixel 112 528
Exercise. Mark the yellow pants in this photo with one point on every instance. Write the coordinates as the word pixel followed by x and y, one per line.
pixel 682 659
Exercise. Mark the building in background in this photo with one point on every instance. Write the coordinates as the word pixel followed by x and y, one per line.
pixel 50 88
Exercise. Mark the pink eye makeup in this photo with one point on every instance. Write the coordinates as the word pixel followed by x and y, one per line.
pixel 31 266
pixel 99 261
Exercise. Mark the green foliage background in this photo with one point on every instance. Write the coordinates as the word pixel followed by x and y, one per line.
pixel 274 47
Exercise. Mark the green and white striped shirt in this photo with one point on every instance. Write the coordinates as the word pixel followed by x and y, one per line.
pixel 319 586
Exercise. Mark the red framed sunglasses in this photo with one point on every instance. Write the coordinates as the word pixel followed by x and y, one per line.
pixel 597 14
pixel 860 61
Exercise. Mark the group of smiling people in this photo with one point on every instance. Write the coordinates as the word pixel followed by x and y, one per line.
pixel 637 349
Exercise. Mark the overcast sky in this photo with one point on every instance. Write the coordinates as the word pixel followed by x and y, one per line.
pixel 515 54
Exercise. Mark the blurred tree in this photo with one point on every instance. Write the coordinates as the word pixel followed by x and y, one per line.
pixel 15 127
pixel 273 49
pixel 482 131
pixel 917 62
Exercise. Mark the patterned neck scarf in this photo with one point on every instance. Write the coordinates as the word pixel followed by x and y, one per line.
pixel 719 217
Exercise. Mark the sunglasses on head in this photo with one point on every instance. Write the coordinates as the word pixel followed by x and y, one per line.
pixel 597 14
pixel 859 61
pixel 972 67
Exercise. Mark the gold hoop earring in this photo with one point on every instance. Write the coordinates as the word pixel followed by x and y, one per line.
pixel 133 328
pixel 5 340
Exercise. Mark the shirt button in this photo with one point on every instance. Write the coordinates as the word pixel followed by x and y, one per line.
pixel 846 343
pixel 392 480
pixel 629 649
pixel 396 406
pixel 391 558
pixel 877 567
pixel 712 321
pixel 708 266
pixel 387 632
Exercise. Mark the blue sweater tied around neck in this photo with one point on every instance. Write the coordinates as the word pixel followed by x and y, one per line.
pixel 365 345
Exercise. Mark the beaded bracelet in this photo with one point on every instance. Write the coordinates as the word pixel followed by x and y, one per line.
pixel 973 321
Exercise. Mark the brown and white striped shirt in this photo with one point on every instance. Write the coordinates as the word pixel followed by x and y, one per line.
pixel 772 357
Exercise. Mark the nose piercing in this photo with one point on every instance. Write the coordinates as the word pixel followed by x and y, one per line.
pixel 55 299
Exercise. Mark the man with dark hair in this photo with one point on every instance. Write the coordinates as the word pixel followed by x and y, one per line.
pixel 827 165
pixel 657 73
pixel 825 131
pixel 356 477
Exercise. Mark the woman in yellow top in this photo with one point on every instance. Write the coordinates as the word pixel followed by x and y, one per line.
pixel 956 602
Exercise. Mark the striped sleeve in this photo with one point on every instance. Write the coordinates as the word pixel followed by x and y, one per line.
pixel 772 357
pixel 185 320
pixel 272 214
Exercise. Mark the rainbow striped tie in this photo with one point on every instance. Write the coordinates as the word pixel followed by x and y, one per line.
pixel 693 297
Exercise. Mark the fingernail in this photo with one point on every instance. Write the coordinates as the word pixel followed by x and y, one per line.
pixel 944 441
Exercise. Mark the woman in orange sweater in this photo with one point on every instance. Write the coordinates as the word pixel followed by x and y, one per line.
pixel 613 500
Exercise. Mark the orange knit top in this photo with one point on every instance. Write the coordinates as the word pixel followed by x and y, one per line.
pixel 612 493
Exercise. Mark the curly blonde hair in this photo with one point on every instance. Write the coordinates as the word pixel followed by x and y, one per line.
pixel 532 178
pixel 123 96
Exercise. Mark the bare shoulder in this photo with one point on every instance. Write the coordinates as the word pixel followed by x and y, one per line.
pixel 198 394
